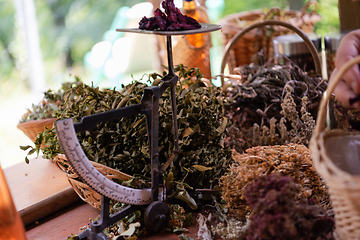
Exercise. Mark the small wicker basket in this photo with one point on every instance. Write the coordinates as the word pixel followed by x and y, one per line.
pixel 261 39
pixel 86 193
pixel 33 127
pixel 336 158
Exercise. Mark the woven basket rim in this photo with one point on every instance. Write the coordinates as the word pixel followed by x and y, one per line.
pixel 100 167
pixel 78 185
pixel 35 122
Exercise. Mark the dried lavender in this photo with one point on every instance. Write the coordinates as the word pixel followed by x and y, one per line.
pixel 279 214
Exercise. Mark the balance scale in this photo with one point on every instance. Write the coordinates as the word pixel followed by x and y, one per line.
pixel 157 212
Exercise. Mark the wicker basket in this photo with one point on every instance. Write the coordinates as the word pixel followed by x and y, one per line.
pixel 32 128
pixel 261 39
pixel 227 58
pixel 86 193
pixel 336 158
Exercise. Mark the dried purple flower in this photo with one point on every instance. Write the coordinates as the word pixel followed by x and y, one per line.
pixel 279 214
pixel 171 20
pixel 149 23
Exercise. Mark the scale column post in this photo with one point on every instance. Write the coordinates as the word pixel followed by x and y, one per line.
pixel 169 55
pixel 150 102
pixel 154 150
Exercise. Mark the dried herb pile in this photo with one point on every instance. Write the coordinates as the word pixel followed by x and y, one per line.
pixel 123 144
pixel 48 107
pixel 279 214
pixel 293 127
pixel 293 160
pixel 273 109
pixel 265 104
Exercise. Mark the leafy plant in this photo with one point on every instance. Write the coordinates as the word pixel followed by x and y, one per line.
pixel 123 144
pixel 49 106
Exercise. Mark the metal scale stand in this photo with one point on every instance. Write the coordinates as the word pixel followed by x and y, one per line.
pixel 157 212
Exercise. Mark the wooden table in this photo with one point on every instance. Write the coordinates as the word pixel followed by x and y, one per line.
pixel 48 205
pixel 63 223
pixel 69 220
pixel 39 188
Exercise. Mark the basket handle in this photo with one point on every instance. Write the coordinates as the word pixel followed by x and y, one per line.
pixel 320 122
pixel 275 10
pixel 241 33
pixel 307 5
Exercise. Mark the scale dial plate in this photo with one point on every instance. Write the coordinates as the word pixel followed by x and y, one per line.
pixel 90 175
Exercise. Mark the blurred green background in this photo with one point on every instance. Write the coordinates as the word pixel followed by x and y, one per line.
pixel 68 29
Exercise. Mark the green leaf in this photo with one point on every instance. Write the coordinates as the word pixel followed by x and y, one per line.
pixel 25 147
pixel 32 151
pixel 177 230
pixel 187 132
pixel 223 125
pixel 184 237
pixel 131 230
pixel 201 168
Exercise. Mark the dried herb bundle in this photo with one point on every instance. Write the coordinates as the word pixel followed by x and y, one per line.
pixel 266 101
pixel 291 128
pixel 292 160
pixel 279 214
pixel 123 144
pixel 343 117
pixel 262 88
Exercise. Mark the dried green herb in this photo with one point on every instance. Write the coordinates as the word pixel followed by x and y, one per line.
pixel 179 219
pixel 49 106
pixel 123 144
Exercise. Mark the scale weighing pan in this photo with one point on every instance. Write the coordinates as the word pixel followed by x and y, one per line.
pixel 205 27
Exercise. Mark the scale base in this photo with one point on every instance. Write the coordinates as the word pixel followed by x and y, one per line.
pixel 156 216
